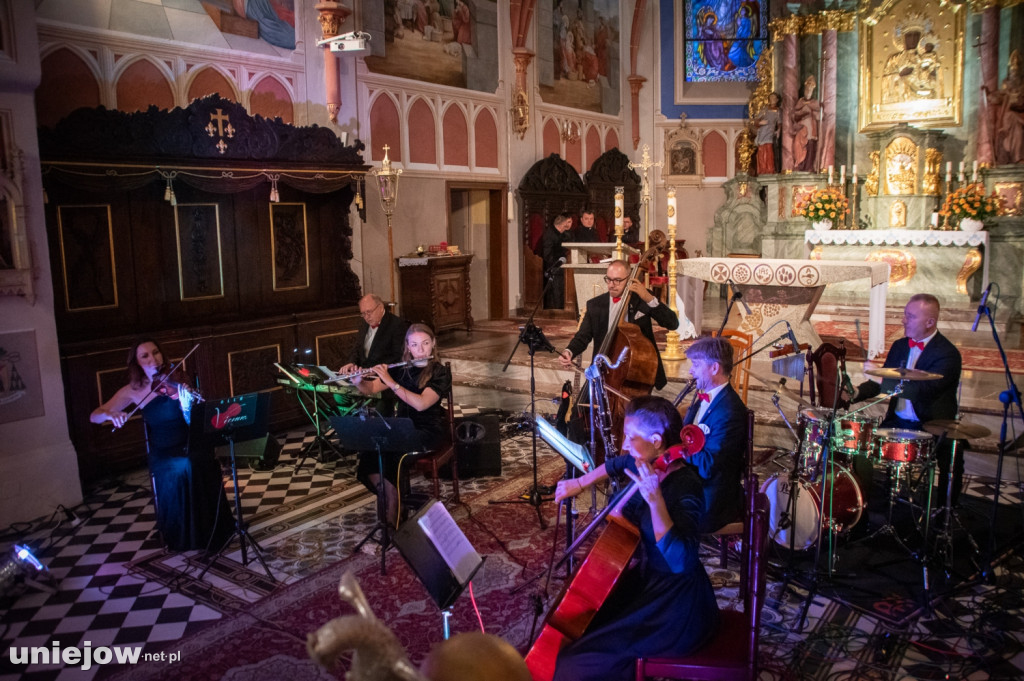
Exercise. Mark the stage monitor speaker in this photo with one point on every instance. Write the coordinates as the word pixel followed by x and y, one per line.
pixel 477 446
pixel 262 453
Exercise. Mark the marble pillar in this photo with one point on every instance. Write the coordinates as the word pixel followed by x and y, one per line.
pixel 989 80
pixel 829 73
pixel 790 92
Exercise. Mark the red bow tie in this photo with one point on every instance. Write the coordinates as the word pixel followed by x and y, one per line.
pixel 374 326
pixel 616 300
pixel 916 344
pixel 705 397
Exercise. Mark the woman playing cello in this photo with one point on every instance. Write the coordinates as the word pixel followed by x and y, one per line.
pixel 663 604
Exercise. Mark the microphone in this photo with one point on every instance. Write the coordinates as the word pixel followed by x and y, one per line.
pixel 981 307
pixel 737 294
pixel 554 268
pixel 792 338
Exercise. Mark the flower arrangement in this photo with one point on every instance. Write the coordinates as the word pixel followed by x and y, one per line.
pixel 971 202
pixel 825 204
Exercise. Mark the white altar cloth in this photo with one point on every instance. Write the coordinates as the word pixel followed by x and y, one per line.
pixel 773 274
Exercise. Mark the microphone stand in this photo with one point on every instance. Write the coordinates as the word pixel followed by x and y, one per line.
pixel 534 339
pixel 1009 396
pixel 736 295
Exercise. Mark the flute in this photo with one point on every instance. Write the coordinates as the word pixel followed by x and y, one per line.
pixel 369 370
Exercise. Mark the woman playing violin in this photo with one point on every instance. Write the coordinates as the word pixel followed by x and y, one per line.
pixel 418 388
pixel 663 604
pixel 192 509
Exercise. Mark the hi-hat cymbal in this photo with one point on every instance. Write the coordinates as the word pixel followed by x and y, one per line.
pixel 902 374
pixel 957 430
pixel 776 385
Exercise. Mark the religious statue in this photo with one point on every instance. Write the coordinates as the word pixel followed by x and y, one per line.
pixel 1007 111
pixel 806 118
pixel 746 150
pixel 871 183
pixel 932 166
pixel 767 123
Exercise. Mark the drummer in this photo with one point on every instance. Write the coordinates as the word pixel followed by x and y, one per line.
pixel 925 349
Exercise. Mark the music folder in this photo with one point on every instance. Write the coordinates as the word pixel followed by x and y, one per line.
pixel 576 454
pixel 240 418
pixel 438 552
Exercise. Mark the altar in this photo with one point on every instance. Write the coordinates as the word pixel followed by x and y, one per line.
pixel 777 290
pixel 588 276
pixel 943 263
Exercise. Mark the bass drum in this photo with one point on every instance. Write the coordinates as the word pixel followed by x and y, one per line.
pixel 847 506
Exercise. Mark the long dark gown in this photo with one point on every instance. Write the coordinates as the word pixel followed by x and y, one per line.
pixel 192 509
pixel 664 605
pixel 430 424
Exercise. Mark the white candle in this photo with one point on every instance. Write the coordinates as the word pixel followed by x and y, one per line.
pixel 830 168
pixel 620 204
pixel 671 207
pixel 855 171
pixel 935 220
pixel 974 172
pixel 842 176
pixel 949 168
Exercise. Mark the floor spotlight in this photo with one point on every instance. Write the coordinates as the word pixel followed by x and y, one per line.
pixel 21 565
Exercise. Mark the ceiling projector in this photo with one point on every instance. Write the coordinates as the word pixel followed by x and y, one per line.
pixel 354 42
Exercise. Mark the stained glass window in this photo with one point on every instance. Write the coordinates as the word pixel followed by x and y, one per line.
pixel 723 39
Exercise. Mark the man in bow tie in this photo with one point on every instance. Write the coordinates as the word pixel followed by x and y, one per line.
pixel 721 414
pixel 643 306
pixel 925 349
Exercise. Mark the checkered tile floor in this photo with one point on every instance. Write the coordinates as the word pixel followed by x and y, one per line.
pixel 115 585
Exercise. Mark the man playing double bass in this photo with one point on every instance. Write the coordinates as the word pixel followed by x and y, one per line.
pixel 643 307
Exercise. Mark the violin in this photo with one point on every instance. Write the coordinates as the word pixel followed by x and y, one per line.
pixel 170 382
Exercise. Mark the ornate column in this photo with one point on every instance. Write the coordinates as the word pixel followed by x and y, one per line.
pixel 332 16
pixel 521 57
pixel 790 92
pixel 989 78
pixel 636 81
pixel 829 66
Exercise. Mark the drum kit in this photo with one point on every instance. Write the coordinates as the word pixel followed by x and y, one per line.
pixel 821 494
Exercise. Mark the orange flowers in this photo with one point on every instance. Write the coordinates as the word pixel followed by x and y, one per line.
pixel 970 201
pixel 824 204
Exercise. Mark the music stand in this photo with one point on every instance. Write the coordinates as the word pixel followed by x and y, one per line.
pixel 312 376
pixel 221 421
pixel 381 435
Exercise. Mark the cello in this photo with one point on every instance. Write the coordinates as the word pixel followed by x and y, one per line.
pixel 580 599
pixel 636 374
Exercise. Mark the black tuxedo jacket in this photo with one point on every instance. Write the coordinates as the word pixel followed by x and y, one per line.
pixel 388 344
pixel 932 400
pixel 594 326
pixel 721 461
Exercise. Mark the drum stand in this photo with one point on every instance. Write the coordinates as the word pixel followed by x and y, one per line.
pixel 944 537
pixel 896 475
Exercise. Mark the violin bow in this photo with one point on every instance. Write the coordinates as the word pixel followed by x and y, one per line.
pixel 156 386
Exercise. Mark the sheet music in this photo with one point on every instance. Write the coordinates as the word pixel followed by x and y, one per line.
pixel 450 542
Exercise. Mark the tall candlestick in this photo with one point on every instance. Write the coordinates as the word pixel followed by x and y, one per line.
pixel 671 207
pixel 620 206
pixel 673 343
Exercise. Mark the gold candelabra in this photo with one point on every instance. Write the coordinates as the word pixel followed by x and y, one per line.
pixel 387 182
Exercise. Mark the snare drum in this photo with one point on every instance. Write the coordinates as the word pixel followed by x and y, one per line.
pixel 900 445
pixel 812 436
pixel 856 434
pixel 846 506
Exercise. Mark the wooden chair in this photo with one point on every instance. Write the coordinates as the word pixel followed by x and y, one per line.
pixel 824 366
pixel 732 654
pixel 430 463
pixel 741 528
pixel 741 343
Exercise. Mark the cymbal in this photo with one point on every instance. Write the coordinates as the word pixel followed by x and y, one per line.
pixel 957 430
pixel 776 385
pixel 903 374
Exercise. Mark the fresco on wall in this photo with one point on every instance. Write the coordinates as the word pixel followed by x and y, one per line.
pixel 269 20
pixel 724 39
pixel 584 47
pixel 448 42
